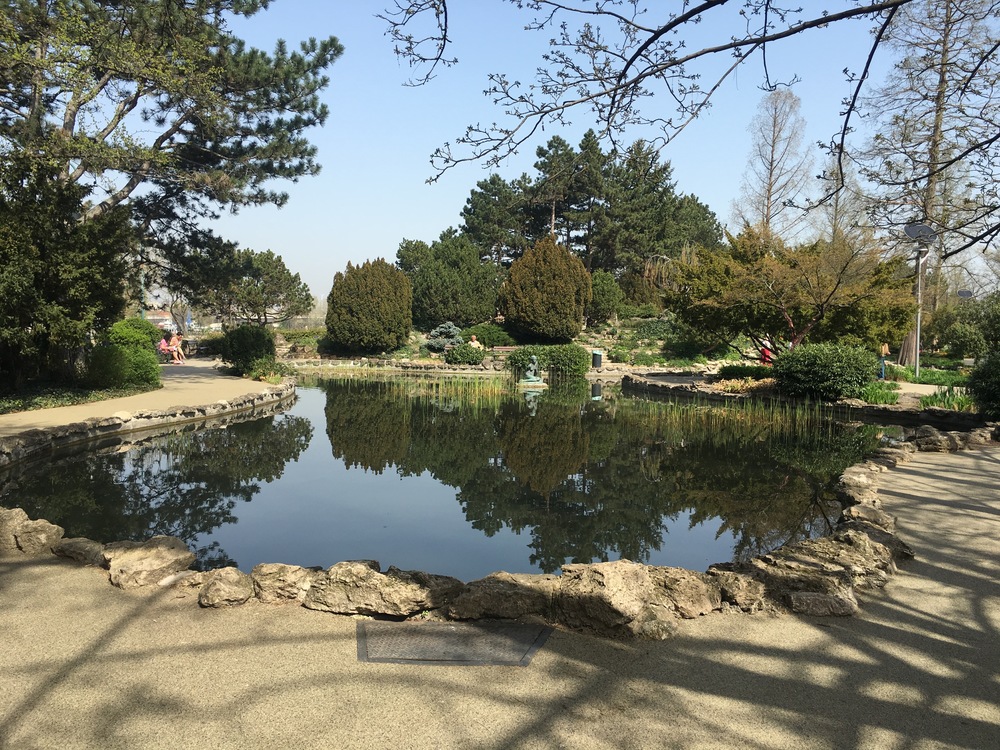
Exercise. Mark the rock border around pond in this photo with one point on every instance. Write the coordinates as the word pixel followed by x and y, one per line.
pixel 613 599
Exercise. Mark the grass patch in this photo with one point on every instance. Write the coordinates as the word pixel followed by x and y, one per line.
pixel 50 397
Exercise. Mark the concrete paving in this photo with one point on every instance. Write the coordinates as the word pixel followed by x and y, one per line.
pixel 195 383
pixel 85 665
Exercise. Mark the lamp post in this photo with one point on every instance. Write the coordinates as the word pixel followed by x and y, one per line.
pixel 923 234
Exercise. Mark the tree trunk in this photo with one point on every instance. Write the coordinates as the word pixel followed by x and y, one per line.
pixel 908 350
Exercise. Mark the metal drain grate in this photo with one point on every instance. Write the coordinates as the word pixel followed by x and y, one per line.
pixel 470 644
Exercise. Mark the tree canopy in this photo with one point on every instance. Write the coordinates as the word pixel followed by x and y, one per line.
pixel 762 289
pixel 160 96
pixel 257 287
pixel 623 60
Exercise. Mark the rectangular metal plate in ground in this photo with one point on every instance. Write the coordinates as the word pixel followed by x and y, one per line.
pixel 450 643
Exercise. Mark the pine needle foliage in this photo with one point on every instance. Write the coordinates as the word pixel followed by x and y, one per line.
pixel 546 293
pixel 369 308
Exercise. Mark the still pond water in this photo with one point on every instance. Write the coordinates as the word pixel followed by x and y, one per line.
pixel 459 480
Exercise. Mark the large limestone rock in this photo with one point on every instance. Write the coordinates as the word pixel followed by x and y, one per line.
pixel 21 536
pixel 82 550
pixel 618 599
pixel 135 564
pixel 691 594
pixel 740 590
pixel 507 596
pixel 275 583
pixel 225 587
pixel 928 438
pixel 359 587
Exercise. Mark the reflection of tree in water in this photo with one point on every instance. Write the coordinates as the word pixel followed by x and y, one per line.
pixel 597 481
pixel 183 485
pixel 545 448
pixel 368 428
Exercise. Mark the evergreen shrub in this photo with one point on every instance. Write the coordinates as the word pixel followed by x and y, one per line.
pixel 369 308
pixel 545 294
pixel 128 357
pixel 134 331
pixel 114 366
pixel 963 340
pixel 465 354
pixel 445 335
pixel 984 386
pixel 827 372
pixel 489 335
pixel 243 346
pixel 607 297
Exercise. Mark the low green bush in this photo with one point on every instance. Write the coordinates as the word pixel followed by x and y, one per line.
pixel 210 344
pixel 114 366
pixel 268 369
pixel 738 372
pixel 645 359
pixel 127 358
pixel 827 372
pixel 657 329
pixel 563 359
pixel 135 332
pixel 489 335
pixel 241 347
pixel 620 354
pixel 464 354
pixel 303 336
pixel 984 386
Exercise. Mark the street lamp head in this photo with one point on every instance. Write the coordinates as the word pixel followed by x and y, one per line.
pixel 919 232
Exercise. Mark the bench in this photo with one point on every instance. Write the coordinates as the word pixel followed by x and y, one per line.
pixel 499 351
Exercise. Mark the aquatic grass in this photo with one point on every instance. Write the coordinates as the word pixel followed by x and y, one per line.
pixel 477 392
pixel 949 397
pixel 729 425
pixel 880 392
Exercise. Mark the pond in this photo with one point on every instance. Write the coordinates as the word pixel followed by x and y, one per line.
pixel 463 478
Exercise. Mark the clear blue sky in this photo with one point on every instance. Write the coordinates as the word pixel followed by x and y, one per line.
pixel 375 147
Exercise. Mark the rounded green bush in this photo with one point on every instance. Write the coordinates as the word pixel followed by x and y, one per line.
pixel 489 335
pixel 242 347
pixel 964 340
pixel 464 354
pixel 106 367
pixel 445 335
pixel 114 366
pixel 827 372
pixel 135 332
pixel 984 386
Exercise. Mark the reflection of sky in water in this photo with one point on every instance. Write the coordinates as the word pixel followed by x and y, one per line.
pixel 320 512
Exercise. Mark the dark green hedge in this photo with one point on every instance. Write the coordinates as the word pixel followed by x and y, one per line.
pixel 828 372
pixel 738 372
pixel 564 359
pixel 465 354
